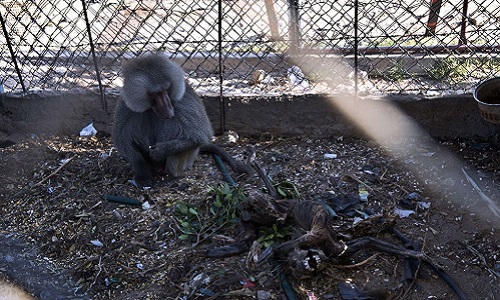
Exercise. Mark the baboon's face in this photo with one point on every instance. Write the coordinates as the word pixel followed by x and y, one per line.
pixel 152 81
pixel 161 103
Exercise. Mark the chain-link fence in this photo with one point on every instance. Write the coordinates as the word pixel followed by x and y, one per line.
pixel 374 47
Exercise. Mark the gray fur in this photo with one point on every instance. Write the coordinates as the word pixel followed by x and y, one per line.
pixel 153 72
pixel 148 142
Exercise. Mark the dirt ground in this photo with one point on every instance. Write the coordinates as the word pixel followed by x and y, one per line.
pixel 60 239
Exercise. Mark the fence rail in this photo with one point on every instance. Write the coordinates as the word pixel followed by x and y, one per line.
pixel 372 47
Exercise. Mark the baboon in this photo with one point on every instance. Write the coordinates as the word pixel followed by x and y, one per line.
pixel 160 124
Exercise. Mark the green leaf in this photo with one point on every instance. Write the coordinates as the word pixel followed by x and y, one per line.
pixel 186 230
pixel 267 244
pixel 183 208
pixel 281 192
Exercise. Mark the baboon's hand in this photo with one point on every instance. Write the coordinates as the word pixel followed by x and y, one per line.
pixel 160 151
pixel 157 153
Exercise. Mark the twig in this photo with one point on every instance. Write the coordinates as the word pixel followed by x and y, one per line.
pixel 82 265
pixel 358 264
pixel 355 178
pixel 155 268
pixel 483 260
pixel 204 230
pixel 97 275
pixel 55 172
pixel 254 164
pixel 145 246
pixel 383 174
pixel 400 187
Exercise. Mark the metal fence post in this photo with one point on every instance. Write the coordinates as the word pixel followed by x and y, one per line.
pixel 295 36
pixel 12 55
pixel 92 50
pixel 463 37
pixel 222 101
pixel 356 18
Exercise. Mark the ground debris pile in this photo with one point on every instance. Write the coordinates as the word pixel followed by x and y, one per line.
pixel 70 198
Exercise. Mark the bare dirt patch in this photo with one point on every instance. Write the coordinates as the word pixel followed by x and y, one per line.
pixel 51 201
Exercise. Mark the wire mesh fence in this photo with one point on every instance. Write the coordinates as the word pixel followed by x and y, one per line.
pixel 371 47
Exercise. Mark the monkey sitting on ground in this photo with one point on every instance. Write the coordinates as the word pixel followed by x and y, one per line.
pixel 160 124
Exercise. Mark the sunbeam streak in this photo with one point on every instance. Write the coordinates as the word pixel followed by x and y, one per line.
pixel 386 124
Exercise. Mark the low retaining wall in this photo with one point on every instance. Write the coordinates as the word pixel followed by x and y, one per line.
pixel 58 113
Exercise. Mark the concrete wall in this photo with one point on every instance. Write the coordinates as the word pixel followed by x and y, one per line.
pixel 57 113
